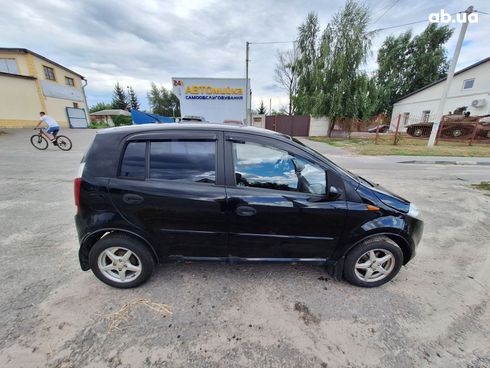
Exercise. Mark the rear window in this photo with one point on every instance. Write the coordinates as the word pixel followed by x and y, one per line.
pixel 133 162
pixel 183 160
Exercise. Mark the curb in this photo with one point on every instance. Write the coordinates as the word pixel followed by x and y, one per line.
pixel 434 162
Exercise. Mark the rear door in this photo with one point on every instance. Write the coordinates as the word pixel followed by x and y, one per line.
pixel 171 185
pixel 276 201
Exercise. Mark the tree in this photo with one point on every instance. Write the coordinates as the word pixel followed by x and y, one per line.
pixel 163 102
pixel 100 106
pixel 306 47
pixel 285 75
pixel 133 99
pixel 408 63
pixel 261 110
pixel 119 98
pixel 341 84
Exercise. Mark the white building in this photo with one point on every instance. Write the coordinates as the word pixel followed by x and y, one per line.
pixel 470 87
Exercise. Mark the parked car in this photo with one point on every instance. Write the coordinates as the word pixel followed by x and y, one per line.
pixel 208 192
pixel 382 128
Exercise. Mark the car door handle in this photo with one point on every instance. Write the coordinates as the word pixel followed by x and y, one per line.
pixel 132 198
pixel 245 211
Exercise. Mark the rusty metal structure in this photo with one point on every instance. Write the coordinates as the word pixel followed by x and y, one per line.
pixel 459 125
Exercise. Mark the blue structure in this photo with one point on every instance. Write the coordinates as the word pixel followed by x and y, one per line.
pixel 140 117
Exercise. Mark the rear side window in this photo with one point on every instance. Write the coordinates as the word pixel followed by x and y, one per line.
pixel 183 160
pixel 133 162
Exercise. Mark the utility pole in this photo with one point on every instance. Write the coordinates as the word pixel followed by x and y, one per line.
pixel 247 88
pixel 270 106
pixel 450 75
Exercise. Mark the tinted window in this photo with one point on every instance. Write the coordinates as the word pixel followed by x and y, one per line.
pixel 181 160
pixel 269 167
pixel 133 163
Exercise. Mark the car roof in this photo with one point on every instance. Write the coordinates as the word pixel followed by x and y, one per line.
pixel 142 128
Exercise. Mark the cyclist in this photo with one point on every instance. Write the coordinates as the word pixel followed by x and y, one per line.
pixel 53 127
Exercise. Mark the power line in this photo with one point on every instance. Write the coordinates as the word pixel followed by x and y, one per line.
pixel 398 26
pixel 386 11
pixel 405 24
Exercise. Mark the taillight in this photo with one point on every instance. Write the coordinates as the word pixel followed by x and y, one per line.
pixel 76 188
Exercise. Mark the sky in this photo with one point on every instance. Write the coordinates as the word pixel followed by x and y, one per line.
pixel 136 42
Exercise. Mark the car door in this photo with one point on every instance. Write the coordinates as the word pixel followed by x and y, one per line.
pixel 171 185
pixel 277 203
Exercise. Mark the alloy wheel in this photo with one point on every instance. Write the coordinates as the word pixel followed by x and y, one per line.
pixel 374 265
pixel 119 264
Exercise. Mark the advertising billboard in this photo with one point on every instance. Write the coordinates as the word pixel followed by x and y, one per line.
pixel 215 99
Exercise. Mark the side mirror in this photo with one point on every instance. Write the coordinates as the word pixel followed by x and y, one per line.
pixel 333 193
pixel 298 165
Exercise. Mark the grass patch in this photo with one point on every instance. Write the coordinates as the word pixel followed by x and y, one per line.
pixel 484 185
pixel 98 125
pixel 406 147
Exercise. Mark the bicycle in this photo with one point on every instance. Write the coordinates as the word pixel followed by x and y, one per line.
pixel 40 141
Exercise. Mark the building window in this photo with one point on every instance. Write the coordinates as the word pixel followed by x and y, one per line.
pixel 406 116
pixel 49 73
pixel 75 105
pixel 425 116
pixel 8 66
pixel 69 81
pixel 468 83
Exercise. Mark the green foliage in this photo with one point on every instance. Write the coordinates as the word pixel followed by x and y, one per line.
pixel 330 80
pixel 122 120
pixel 261 110
pixel 133 99
pixel 306 45
pixel 119 98
pixel 98 125
pixel 408 63
pixel 343 88
pixel 100 106
pixel 163 102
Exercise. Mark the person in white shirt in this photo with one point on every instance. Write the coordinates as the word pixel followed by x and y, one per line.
pixel 52 126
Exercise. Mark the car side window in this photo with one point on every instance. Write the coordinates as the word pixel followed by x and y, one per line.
pixel 133 162
pixel 183 160
pixel 262 166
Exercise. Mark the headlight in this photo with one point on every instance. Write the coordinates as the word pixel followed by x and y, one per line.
pixel 413 211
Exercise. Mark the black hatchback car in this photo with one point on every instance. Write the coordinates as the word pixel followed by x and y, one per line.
pixel 210 192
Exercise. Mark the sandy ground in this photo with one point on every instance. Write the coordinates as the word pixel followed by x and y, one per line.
pixel 435 313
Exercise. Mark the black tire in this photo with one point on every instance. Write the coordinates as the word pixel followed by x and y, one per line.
pixel 39 142
pixel 418 132
pixel 381 246
pixel 63 143
pixel 141 256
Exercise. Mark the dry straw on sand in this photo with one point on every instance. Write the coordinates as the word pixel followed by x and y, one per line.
pixel 118 317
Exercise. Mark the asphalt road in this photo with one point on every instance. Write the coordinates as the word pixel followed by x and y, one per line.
pixel 435 313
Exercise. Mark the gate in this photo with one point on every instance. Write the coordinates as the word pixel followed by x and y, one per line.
pixel 293 125
pixel 76 117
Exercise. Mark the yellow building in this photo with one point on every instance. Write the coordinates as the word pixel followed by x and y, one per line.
pixel 30 83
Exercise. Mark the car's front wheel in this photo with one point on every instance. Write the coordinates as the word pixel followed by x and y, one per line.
pixel 121 261
pixel 373 262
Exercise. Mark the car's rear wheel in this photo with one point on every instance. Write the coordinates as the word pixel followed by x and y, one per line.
pixel 121 261
pixel 373 262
